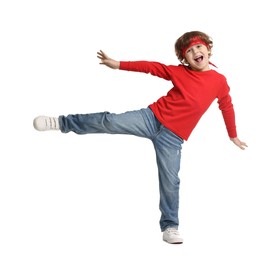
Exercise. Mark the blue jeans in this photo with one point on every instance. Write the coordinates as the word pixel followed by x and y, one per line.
pixel 141 123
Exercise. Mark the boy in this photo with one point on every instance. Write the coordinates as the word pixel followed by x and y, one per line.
pixel 169 121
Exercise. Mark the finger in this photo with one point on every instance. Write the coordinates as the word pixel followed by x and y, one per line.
pixel 239 144
pixel 100 57
pixel 242 146
pixel 100 53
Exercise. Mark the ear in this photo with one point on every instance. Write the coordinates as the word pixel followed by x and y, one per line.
pixel 185 62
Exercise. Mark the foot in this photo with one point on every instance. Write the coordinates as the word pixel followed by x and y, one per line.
pixel 45 123
pixel 172 236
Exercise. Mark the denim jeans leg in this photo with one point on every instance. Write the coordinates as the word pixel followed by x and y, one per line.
pixel 139 122
pixel 168 153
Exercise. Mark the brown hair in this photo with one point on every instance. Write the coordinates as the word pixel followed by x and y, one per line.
pixel 184 41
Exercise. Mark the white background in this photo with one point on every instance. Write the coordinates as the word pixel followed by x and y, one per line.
pixel 96 196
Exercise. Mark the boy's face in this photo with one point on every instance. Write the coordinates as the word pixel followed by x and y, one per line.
pixel 198 57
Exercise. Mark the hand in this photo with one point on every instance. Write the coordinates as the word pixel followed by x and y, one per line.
pixel 239 143
pixel 105 60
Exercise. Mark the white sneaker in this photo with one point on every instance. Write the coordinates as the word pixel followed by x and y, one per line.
pixel 172 236
pixel 44 123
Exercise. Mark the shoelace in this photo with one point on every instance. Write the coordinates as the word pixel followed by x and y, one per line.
pixel 51 123
pixel 172 231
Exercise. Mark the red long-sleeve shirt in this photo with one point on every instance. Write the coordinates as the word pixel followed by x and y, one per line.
pixel 191 95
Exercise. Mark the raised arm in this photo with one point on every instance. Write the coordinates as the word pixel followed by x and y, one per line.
pixel 154 68
pixel 107 61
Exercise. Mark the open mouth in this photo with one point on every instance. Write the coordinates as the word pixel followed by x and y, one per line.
pixel 199 58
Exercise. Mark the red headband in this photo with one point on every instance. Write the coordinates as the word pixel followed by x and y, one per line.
pixel 195 40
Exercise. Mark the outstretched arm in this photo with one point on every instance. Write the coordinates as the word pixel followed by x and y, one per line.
pixel 107 61
pixel 238 142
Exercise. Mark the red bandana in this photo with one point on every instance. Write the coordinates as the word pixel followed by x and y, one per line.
pixel 196 40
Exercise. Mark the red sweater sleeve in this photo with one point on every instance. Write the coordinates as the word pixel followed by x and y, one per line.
pixel 154 68
pixel 226 107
